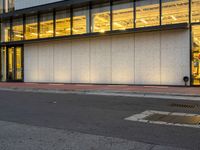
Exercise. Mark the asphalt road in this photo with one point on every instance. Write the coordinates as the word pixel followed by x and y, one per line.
pixel 99 115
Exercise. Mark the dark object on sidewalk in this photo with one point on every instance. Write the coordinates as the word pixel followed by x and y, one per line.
pixel 186 79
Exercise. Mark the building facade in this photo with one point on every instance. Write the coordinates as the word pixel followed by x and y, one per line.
pixel 139 42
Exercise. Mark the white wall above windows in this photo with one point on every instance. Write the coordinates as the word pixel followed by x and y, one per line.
pixel 21 4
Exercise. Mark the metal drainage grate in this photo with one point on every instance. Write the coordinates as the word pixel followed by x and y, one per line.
pixel 167 118
pixel 191 106
pixel 175 119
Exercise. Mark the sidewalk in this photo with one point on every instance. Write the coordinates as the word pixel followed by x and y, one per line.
pixel 123 89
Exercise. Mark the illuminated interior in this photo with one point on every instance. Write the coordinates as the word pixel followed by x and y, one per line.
pixel 122 16
pixel 100 19
pixel 10 63
pixel 175 11
pixel 5 34
pixel 147 13
pixel 17 30
pixel 46 25
pixel 196 54
pixel 31 28
pixel 80 21
pixel 3 63
pixel 195 10
pixel 63 23
pixel 18 60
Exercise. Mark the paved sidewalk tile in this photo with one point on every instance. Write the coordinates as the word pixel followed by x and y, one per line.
pixel 191 91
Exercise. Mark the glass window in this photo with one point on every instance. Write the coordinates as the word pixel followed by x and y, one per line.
pixel 9 5
pixel 1 6
pixel 147 13
pixel 5 31
pixel 100 18
pixel 31 27
pixel 175 11
pixel 122 15
pixel 195 10
pixel 3 63
pixel 63 23
pixel 17 29
pixel 196 55
pixel 46 25
pixel 18 63
pixel 80 21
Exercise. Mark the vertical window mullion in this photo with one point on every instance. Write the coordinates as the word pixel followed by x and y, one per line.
pixel 54 23
pixel 71 20
pixel 90 17
pixel 111 15
pixel 134 14
pixel 160 1
pixel 11 28
pixel 24 27
pixel 190 12
pixel 38 24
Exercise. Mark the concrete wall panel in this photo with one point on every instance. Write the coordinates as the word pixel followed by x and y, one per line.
pixel 175 56
pixel 31 63
pixel 147 58
pixel 123 59
pixel 45 62
pixel 80 61
pixel 100 60
pixel 141 58
pixel 62 61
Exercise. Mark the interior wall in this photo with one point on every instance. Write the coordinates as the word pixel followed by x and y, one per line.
pixel 150 58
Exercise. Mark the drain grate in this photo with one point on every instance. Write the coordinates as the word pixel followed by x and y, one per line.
pixel 191 106
pixel 190 120
pixel 167 118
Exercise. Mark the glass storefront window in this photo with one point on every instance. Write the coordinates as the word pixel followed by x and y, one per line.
pixel 46 25
pixel 1 6
pixel 3 63
pixel 31 27
pixel 81 21
pixel 5 31
pixel 9 5
pixel 196 55
pixel 147 13
pixel 100 18
pixel 175 11
pixel 122 15
pixel 18 65
pixel 63 25
pixel 195 11
pixel 17 30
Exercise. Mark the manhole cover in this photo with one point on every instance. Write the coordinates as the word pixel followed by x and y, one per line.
pixel 168 118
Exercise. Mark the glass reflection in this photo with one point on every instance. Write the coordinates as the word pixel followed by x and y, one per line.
pixel 195 10
pixel 63 23
pixel 196 54
pixel 31 28
pixel 46 25
pixel 122 15
pixel 80 21
pixel 100 18
pixel 175 11
pixel 147 13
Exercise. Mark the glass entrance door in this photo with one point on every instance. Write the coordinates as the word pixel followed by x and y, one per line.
pixel 15 63
pixel 10 75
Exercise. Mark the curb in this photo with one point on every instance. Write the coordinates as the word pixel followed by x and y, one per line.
pixel 109 93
